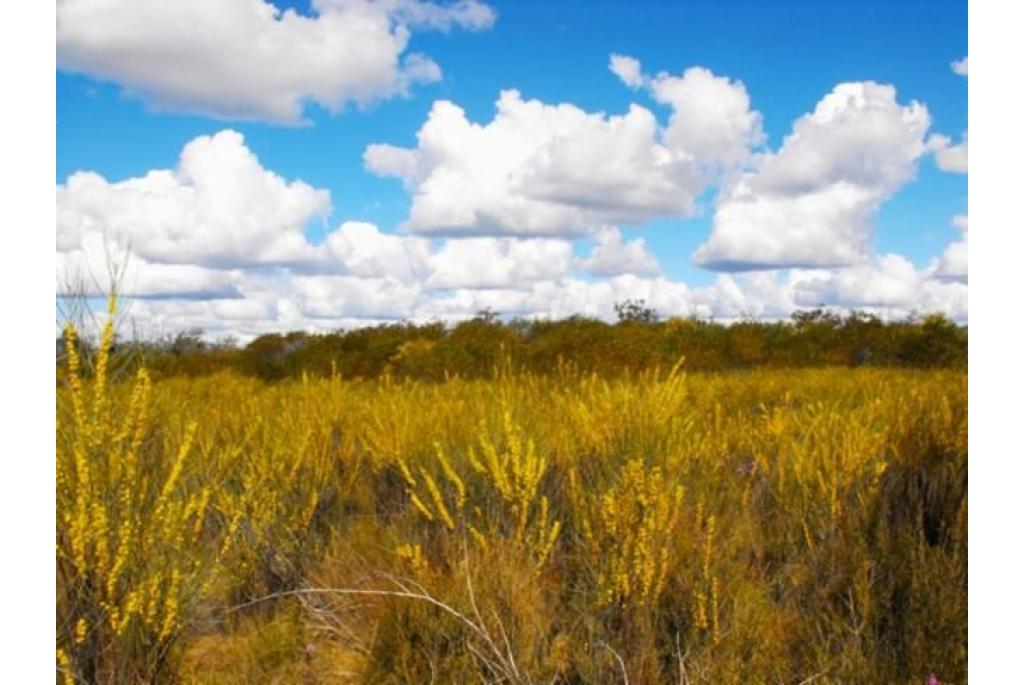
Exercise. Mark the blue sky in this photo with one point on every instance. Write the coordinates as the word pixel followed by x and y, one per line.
pixel 787 55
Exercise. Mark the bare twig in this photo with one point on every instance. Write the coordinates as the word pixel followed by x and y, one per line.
pixel 622 664
pixel 501 665
pixel 683 679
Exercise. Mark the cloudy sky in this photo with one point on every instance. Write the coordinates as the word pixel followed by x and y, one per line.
pixel 254 166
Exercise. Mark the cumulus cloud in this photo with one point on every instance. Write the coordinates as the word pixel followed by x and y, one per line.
pixel 813 202
pixel 888 284
pixel 91 268
pixel 219 208
pixel 220 221
pixel 488 263
pixel 959 66
pixel 212 227
pixel 362 249
pixel 952 265
pixel 711 120
pixel 247 59
pixel 539 169
pixel 189 231
pixel 332 297
pixel 225 237
pixel 220 242
pixel 758 295
pixel 610 256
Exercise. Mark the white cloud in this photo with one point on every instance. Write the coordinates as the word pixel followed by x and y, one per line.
pixel 858 134
pixel 561 298
pixel 220 219
pixel 332 297
pixel 93 267
pixel 756 295
pixel 361 249
pixel 537 170
pixel 951 158
pixel 247 59
pixel 959 66
pixel 243 319
pixel 887 281
pixel 611 257
pixel 889 285
pixel 951 265
pixel 711 120
pixel 627 69
pixel 484 263
pixel 826 227
pixel 813 202
pixel 219 208
pixel 276 305
pixel 220 242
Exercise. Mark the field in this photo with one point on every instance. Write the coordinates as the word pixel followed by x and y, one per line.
pixel 761 526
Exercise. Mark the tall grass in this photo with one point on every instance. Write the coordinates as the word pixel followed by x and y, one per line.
pixel 764 526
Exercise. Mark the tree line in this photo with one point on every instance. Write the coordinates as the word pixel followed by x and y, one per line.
pixel 639 340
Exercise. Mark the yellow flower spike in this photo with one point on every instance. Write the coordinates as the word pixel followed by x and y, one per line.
pixel 478 537
pixel 709 536
pixel 549 544
pixel 715 635
pixel 175 474
pixel 421 507
pixel 701 617
pixel 200 512
pixel 101 544
pixel 406 473
pixel 474 461
pixel 152 599
pixel 64 665
pixel 170 614
pixel 435 495
pixel 453 477
pixel 413 554
pixel 124 546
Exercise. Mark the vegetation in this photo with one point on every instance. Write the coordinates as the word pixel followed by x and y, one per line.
pixel 640 341
pixel 379 521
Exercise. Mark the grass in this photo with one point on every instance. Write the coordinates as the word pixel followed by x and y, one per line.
pixel 760 526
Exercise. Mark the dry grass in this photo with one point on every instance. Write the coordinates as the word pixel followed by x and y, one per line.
pixel 766 526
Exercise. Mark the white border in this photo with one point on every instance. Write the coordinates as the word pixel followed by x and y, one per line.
pixel 27 503
pixel 996 327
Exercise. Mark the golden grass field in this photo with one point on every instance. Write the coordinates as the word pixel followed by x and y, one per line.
pixel 782 526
